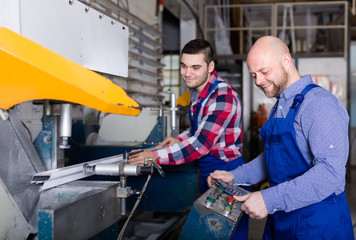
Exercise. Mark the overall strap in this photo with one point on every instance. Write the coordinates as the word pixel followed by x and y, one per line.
pixel 194 118
pixel 274 109
pixel 299 98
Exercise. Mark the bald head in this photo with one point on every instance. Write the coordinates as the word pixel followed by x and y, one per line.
pixel 271 66
pixel 269 45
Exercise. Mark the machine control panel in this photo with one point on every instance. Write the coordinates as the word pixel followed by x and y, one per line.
pixel 219 199
pixel 215 214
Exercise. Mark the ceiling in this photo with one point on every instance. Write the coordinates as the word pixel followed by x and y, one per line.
pixel 174 5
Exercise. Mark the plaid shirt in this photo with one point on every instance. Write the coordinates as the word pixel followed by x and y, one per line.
pixel 219 127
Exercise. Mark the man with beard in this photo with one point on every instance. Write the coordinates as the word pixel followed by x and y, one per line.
pixel 306 150
pixel 214 138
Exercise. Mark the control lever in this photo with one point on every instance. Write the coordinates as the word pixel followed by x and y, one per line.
pixel 157 166
pixel 159 169
pixel 230 189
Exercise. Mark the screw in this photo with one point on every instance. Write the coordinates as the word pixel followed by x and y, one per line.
pixel 48 139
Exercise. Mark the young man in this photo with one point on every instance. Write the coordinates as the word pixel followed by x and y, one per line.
pixel 306 150
pixel 214 139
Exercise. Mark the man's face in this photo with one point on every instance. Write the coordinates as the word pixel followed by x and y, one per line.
pixel 268 74
pixel 195 71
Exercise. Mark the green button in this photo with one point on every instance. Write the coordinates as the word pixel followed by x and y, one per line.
pixel 210 199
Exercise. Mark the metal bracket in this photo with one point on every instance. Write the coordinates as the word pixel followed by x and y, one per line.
pixel 123 192
pixel 4 115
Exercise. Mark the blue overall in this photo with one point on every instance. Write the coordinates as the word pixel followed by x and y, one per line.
pixel 328 219
pixel 209 163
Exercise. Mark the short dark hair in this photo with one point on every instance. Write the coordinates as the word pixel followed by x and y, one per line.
pixel 199 46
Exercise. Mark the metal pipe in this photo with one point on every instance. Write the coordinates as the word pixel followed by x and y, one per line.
pixel 174 114
pixel 123 200
pixel 125 156
pixel 47 108
pixel 65 125
pixel 112 169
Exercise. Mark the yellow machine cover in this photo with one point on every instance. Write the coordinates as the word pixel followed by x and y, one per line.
pixel 30 71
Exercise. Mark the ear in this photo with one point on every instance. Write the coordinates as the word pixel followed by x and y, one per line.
pixel 287 61
pixel 211 67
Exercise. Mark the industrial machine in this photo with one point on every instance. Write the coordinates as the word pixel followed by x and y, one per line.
pixel 55 185
pixel 38 198
pixel 46 197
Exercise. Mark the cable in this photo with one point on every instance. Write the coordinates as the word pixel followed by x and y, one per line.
pixel 28 130
pixel 134 208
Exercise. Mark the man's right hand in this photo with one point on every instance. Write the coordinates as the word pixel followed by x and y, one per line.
pixel 224 176
pixel 254 205
pixel 168 141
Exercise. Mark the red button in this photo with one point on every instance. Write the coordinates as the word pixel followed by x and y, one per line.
pixel 230 199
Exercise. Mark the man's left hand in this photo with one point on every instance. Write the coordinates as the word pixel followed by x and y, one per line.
pixel 139 158
pixel 168 141
pixel 254 205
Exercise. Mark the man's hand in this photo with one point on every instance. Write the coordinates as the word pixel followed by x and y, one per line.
pixel 254 205
pixel 140 157
pixel 224 176
pixel 168 141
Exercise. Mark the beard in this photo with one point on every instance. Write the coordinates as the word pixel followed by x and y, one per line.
pixel 278 86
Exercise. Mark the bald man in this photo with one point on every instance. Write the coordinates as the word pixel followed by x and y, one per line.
pixel 306 150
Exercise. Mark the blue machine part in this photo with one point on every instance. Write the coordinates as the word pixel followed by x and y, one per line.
pixel 46 142
pixel 157 134
pixel 46 224
pixel 214 215
pixel 206 225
